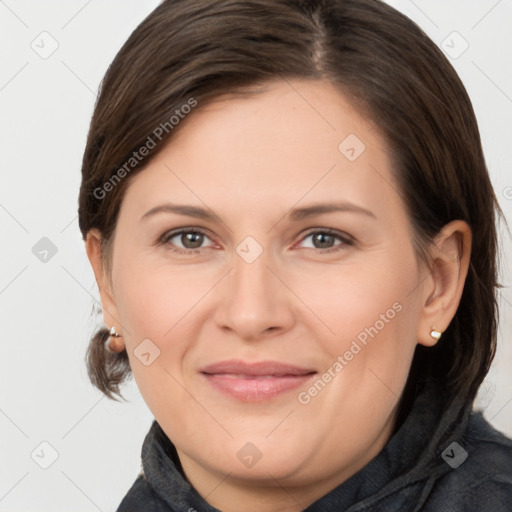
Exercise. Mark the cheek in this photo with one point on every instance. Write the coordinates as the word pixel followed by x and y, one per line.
pixel 161 303
pixel 157 304
pixel 349 299
pixel 367 316
pixel 153 295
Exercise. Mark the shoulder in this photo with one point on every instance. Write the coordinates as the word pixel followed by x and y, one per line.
pixel 491 448
pixel 480 476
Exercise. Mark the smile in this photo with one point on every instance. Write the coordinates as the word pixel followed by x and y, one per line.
pixel 255 382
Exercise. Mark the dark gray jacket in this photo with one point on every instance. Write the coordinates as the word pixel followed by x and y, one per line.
pixel 451 461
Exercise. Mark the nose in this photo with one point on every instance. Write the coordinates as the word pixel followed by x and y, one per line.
pixel 253 301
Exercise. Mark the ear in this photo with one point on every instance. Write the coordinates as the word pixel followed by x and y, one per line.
pixel 442 289
pixel 110 314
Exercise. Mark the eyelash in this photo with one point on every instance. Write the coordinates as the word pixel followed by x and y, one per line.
pixel 345 239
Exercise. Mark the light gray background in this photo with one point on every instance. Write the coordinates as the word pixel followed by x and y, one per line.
pixel 45 307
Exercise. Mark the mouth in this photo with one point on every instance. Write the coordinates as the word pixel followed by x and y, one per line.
pixel 255 382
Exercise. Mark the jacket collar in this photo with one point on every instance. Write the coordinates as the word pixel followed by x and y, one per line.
pixel 411 459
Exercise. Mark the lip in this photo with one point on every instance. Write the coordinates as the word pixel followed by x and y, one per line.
pixel 255 381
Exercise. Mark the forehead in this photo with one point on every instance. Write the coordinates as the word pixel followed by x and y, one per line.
pixel 288 140
pixel 279 115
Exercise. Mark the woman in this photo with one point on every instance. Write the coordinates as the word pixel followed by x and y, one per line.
pixel 291 224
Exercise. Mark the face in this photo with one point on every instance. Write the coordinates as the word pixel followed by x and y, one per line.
pixel 254 277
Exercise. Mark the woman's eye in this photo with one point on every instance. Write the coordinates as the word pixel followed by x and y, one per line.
pixel 325 240
pixel 185 240
pixel 192 240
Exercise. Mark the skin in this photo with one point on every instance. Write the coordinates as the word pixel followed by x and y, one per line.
pixel 251 161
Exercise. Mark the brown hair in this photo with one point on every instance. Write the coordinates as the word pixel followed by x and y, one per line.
pixel 392 72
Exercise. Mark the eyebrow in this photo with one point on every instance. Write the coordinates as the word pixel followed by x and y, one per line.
pixel 317 209
pixel 296 214
pixel 182 209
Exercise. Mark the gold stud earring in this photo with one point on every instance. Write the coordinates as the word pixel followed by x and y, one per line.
pixel 114 333
pixel 435 334
pixel 113 344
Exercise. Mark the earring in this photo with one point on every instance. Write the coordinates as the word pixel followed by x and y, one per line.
pixel 113 345
pixel 114 333
pixel 435 334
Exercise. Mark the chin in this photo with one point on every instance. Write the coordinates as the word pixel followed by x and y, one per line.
pixel 260 459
